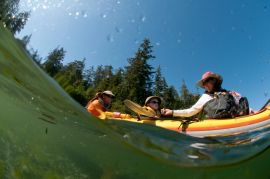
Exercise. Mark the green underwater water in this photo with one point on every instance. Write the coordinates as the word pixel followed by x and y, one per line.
pixel 46 134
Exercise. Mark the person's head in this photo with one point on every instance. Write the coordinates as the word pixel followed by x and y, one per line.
pixel 153 102
pixel 210 81
pixel 107 97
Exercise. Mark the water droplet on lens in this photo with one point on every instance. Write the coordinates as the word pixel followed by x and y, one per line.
pixel 58 5
pixel 143 18
pixel 157 43
pixel 118 2
pixel 266 93
pixel 198 145
pixel 110 38
pixel 85 15
pixel 103 16
pixel 119 30
pixel 193 156
pixel 126 136
pixel 77 13
pixel 102 136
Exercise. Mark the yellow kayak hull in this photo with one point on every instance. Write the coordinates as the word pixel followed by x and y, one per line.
pixel 209 127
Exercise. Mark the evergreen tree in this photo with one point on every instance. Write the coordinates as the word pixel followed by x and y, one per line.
pixel 117 88
pixel 160 84
pixel 32 53
pixel 24 41
pixel 74 71
pixel 89 77
pixel 103 77
pixel 138 77
pixel 170 98
pixel 71 78
pixel 54 64
pixel 186 99
pixel 36 57
pixel 116 83
pixel 11 17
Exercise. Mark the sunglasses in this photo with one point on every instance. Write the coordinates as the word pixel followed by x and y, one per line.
pixel 154 102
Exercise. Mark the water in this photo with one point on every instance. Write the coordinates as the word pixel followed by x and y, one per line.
pixel 45 134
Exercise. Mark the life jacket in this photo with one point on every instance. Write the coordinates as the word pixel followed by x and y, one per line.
pixel 226 104
pixel 96 107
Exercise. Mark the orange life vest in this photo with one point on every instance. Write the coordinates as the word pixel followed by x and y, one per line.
pixel 95 107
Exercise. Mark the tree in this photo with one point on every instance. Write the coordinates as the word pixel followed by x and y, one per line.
pixel 186 99
pixel 11 16
pixel 36 57
pixel 138 76
pixel 103 77
pixel 54 64
pixel 24 41
pixel 170 98
pixel 116 84
pixel 160 84
pixel 71 78
pixel 89 77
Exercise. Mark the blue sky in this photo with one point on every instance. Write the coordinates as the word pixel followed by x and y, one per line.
pixel 229 37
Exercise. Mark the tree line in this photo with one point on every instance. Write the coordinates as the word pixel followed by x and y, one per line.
pixel 136 81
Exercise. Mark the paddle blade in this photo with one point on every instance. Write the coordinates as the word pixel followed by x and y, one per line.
pixel 138 109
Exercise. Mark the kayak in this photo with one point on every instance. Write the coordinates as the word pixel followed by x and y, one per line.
pixel 203 128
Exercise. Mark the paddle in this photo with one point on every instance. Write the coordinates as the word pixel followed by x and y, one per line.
pixel 138 109
pixel 151 114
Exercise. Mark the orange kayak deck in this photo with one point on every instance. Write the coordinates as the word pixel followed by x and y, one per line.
pixel 209 127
